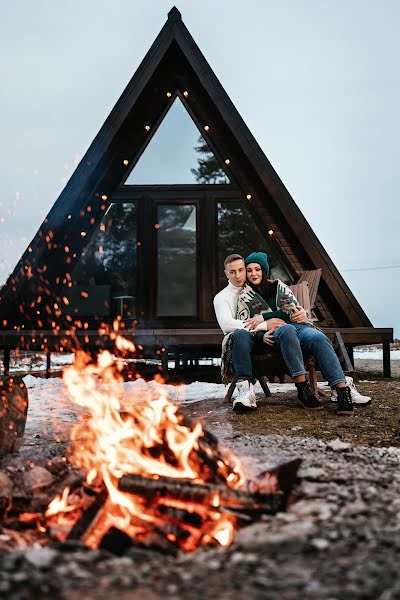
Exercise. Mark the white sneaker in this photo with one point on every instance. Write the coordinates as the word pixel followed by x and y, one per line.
pixel 356 397
pixel 246 398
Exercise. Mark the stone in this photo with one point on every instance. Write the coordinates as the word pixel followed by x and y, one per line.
pixel 338 446
pixel 6 485
pixel 320 543
pixel 37 479
pixel 316 508
pixel 41 557
pixel 312 473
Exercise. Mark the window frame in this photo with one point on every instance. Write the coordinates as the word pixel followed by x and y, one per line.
pixel 206 197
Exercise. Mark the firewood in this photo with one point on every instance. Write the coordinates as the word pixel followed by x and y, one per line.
pixel 88 515
pixel 203 494
pixel 285 475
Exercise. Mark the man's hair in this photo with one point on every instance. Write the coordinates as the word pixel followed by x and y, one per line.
pixel 231 258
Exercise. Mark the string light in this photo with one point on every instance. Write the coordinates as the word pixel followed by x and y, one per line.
pixel 186 93
pixel 206 128
pixel 169 94
pixel 227 161
pixel 248 196
pixel 104 197
pixel 126 162
pixel 270 231
pixel 147 127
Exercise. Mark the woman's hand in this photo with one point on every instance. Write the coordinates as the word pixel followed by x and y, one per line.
pixel 268 338
pixel 274 323
pixel 299 315
pixel 251 324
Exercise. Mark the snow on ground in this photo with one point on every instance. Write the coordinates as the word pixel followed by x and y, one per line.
pixel 193 392
pixel 376 354
pixel 51 412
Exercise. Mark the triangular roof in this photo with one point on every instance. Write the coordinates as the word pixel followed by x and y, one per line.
pixel 174 65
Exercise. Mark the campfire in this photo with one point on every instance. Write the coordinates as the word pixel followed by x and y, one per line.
pixel 148 475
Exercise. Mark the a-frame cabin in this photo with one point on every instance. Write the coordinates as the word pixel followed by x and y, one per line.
pixel 150 252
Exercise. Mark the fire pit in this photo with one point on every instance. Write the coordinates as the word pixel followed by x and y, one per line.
pixel 143 473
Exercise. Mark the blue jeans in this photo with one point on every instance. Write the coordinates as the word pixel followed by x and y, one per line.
pixel 242 346
pixel 296 339
pixel 292 339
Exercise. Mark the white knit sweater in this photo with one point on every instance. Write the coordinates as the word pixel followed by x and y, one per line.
pixel 225 305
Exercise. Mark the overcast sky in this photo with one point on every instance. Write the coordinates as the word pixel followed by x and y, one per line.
pixel 317 82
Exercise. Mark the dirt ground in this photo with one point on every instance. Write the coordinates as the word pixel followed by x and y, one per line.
pixel 373 425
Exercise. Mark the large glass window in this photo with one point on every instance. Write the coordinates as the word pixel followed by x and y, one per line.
pixel 104 280
pixel 177 153
pixel 176 260
pixel 238 233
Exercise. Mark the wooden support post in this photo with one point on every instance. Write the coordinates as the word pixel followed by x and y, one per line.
pixel 350 352
pixel 164 361
pixel 342 350
pixel 6 361
pixel 386 359
pixel 48 363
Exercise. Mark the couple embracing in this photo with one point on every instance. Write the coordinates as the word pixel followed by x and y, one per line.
pixel 255 314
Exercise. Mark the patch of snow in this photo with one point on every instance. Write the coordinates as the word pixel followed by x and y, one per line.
pixel 375 354
pixel 193 392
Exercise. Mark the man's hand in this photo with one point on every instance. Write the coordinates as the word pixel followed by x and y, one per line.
pixel 300 315
pixel 251 324
pixel 269 338
pixel 274 323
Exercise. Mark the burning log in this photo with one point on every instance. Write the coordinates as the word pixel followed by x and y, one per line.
pixel 13 411
pixel 88 516
pixel 205 495
pixel 180 513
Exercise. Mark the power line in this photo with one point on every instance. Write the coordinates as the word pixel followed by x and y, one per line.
pixel 371 268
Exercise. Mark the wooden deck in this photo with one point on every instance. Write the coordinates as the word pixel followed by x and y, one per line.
pixel 162 342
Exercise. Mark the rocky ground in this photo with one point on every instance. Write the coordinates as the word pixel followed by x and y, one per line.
pixel 339 539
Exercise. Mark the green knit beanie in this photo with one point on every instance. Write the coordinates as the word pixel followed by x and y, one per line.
pixel 260 258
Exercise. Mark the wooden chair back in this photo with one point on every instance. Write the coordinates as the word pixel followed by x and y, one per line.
pixel 301 291
pixel 313 279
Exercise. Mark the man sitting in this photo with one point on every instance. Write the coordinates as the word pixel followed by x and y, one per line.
pixel 287 326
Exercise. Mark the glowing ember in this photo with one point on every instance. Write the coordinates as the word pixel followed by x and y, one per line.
pixel 126 434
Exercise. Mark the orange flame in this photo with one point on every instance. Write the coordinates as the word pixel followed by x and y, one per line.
pixel 140 433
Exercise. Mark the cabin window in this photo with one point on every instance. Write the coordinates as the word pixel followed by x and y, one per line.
pixel 176 260
pixel 238 233
pixel 177 153
pixel 104 280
